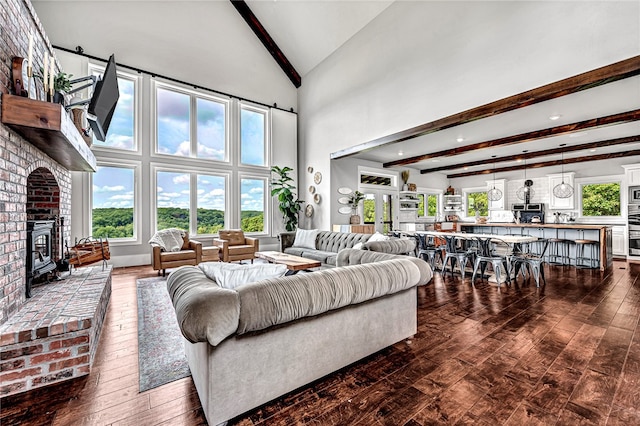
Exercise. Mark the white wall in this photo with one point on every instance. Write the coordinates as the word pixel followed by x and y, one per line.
pixel 420 61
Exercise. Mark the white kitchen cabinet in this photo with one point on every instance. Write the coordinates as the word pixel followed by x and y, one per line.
pixel 499 184
pixel 619 243
pixel 556 203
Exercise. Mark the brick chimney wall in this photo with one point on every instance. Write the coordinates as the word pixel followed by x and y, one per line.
pixel 18 158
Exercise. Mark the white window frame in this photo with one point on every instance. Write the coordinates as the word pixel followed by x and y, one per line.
pixel 465 195
pixel 266 199
pixel 137 199
pixel 193 121
pixel 267 134
pixel 619 179
pixel 431 191
pixel 137 108
pixel 193 196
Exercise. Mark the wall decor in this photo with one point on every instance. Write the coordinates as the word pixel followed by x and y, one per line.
pixel 310 169
pixel 344 200
pixel 316 198
pixel 308 211
pixel 344 210
pixel 344 190
pixel 317 178
pixel 312 189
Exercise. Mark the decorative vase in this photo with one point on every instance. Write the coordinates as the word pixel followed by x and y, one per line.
pixel 405 187
pixel 354 219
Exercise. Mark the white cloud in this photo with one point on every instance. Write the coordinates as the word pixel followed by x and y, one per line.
pixel 107 188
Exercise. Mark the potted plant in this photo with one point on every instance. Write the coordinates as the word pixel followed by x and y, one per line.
pixel 61 86
pixel 288 203
pixel 354 202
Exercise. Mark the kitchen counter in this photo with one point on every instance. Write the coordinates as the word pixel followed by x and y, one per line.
pixel 568 225
pixel 570 231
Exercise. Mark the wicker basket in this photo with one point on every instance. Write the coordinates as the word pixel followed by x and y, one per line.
pixel 88 251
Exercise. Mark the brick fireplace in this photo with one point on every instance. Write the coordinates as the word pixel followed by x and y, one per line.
pixel 52 336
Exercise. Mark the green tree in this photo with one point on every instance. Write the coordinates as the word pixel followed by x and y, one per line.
pixel 477 201
pixel 601 199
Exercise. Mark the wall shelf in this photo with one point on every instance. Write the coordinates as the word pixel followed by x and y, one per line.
pixel 48 127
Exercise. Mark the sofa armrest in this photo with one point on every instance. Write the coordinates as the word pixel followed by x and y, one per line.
pixel 392 246
pixel 157 261
pixel 286 239
pixel 347 257
pixel 205 311
pixel 197 247
pixel 252 242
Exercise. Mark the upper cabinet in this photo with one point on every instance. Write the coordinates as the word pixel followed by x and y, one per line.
pixel 497 204
pixel 556 203
pixel 632 172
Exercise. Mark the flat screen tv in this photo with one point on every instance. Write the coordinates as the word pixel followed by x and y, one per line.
pixel 104 100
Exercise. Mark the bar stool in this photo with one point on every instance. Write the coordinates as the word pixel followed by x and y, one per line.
pixel 593 259
pixel 559 251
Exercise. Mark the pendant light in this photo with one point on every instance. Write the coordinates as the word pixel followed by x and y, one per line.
pixel 562 190
pixel 494 194
pixel 525 192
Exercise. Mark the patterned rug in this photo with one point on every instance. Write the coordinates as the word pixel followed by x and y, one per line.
pixel 161 356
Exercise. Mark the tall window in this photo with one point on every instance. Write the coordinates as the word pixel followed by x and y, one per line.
pixel 181 114
pixel 601 199
pixel 252 137
pixel 477 202
pixel 113 215
pixel 211 203
pixel 252 205
pixel 122 129
pixel 172 200
pixel 430 208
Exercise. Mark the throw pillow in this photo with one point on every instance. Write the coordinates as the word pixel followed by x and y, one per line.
pixel 306 238
pixel 358 246
pixel 377 237
pixel 185 241
pixel 232 275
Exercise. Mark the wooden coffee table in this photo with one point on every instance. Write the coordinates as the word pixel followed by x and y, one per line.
pixel 293 263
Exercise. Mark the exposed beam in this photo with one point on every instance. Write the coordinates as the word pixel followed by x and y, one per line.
pixel 542 164
pixel 623 117
pixel 262 34
pixel 535 154
pixel 599 76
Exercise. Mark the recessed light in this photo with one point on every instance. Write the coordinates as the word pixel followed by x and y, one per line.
pixel 592 150
pixel 435 160
pixel 555 117
pixel 577 135
pixel 460 139
pixel 400 153
pixel 466 167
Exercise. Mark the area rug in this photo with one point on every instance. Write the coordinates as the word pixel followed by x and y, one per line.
pixel 161 356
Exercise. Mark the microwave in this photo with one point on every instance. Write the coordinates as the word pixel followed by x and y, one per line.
pixel 634 195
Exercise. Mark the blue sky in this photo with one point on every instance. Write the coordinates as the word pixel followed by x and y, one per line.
pixel 113 187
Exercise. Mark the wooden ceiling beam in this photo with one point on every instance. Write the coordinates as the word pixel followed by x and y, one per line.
pixel 259 30
pixel 535 154
pixel 623 117
pixel 590 79
pixel 542 164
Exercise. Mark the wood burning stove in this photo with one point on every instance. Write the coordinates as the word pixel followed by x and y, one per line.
pixel 39 250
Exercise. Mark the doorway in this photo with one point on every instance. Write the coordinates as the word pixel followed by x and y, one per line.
pixel 380 207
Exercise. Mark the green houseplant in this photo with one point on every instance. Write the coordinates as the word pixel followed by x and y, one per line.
pixel 288 203
pixel 354 202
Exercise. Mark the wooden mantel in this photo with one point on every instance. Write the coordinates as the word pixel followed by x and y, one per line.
pixel 49 128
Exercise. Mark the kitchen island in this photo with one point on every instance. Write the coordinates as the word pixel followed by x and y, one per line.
pixel 570 231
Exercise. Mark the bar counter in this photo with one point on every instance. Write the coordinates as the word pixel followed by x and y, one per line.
pixel 569 231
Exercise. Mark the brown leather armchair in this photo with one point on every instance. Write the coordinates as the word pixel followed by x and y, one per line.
pixel 235 246
pixel 190 254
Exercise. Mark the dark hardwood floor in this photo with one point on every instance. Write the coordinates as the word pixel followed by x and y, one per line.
pixel 566 353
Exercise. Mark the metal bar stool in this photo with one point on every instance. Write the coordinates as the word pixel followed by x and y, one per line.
pixel 591 261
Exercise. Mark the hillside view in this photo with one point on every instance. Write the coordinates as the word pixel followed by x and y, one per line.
pixel 118 222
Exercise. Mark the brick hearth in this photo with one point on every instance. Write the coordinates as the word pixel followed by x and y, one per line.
pixel 54 335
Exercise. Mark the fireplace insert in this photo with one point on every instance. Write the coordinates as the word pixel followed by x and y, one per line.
pixel 39 251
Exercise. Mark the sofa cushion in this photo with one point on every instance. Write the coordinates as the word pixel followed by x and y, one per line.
pixel 232 275
pixel 320 256
pixel 205 311
pixel 358 257
pixel 331 260
pixel 392 245
pixel 296 251
pixel 306 238
pixel 241 249
pixel 170 256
